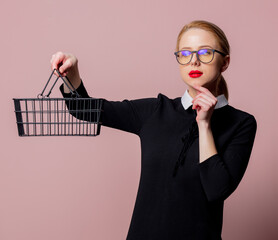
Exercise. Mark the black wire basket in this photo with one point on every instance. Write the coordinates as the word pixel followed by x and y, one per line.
pixel 45 116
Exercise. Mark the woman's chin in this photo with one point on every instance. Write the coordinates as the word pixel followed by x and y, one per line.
pixel 196 82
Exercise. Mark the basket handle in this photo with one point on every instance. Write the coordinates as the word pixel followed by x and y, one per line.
pixel 73 92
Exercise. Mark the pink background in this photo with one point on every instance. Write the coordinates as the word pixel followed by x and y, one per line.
pixel 67 188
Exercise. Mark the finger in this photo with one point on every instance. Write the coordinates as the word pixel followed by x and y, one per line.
pixel 203 103
pixel 51 61
pixel 199 106
pixel 57 59
pixel 204 90
pixel 212 101
pixel 207 102
pixel 52 64
pixel 66 65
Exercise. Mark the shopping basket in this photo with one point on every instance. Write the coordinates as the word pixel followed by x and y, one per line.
pixel 45 116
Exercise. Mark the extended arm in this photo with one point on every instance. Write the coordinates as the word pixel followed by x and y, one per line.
pixel 126 115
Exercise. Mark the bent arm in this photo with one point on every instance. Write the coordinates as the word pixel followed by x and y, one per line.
pixel 220 174
pixel 207 146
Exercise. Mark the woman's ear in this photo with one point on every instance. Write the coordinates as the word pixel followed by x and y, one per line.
pixel 226 62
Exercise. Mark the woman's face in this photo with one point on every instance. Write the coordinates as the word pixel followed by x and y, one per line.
pixel 193 40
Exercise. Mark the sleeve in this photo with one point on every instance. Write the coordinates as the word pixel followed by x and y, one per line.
pixel 221 173
pixel 126 115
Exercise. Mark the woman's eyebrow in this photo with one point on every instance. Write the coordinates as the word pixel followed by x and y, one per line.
pixel 199 47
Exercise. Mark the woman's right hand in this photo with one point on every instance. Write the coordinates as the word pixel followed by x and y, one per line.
pixel 66 63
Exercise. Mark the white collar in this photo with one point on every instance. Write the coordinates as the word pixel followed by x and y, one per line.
pixel 186 100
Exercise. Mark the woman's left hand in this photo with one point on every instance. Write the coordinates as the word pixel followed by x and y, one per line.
pixel 204 102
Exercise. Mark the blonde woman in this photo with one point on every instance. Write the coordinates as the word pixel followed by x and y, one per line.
pixel 195 148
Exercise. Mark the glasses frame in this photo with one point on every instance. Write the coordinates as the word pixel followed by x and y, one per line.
pixel 197 54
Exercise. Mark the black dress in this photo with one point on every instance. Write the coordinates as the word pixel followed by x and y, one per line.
pixel 179 198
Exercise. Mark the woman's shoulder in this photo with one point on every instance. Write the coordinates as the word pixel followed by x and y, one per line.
pixel 230 113
pixel 168 103
pixel 164 98
pixel 238 112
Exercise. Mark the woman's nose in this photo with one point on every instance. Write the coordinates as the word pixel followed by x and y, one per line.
pixel 194 60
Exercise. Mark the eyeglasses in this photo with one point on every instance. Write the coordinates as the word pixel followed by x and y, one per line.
pixel 203 55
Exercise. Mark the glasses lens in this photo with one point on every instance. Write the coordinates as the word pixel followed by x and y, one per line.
pixel 184 56
pixel 205 55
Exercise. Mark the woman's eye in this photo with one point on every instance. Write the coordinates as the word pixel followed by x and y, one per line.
pixel 204 52
pixel 185 53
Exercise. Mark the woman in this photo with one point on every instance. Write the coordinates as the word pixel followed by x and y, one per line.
pixel 195 148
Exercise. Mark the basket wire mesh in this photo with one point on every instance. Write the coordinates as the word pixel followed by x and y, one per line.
pixel 44 116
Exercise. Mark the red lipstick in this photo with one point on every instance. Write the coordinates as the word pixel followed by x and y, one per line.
pixel 195 73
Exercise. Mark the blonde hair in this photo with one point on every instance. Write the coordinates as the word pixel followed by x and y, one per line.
pixel 221 85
